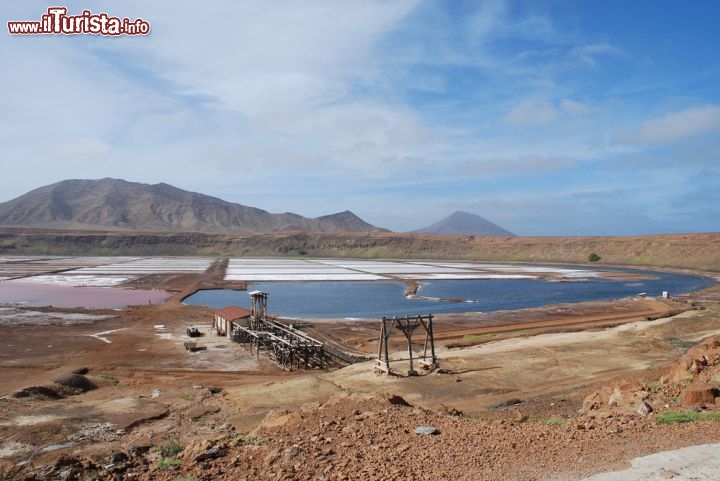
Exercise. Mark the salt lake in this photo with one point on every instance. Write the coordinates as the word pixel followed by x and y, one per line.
pixel 374 299
pixel 331 288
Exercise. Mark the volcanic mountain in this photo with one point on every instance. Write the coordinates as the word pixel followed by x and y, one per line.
pixel 112 204
pixel 465 223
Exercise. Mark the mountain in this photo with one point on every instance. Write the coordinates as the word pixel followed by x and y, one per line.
pixel 341 222
pixel 120 205
pixel 465 223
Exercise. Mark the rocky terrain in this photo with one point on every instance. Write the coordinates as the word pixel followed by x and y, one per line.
pixel 376 436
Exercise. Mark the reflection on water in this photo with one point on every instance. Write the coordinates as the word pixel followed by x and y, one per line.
pixel 375 299
pixel 36 295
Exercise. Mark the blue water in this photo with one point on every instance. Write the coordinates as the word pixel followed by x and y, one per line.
pixel 375 299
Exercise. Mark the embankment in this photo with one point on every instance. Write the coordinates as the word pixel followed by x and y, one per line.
pixel 691 251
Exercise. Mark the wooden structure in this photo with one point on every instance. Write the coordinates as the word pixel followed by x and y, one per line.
pixel 288 346
pixel 258 305
pixel 223 318
pixel 407 325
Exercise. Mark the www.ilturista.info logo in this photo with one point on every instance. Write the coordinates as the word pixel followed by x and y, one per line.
pixel 57 22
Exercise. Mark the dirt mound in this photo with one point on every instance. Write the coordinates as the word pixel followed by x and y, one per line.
pixel 76 382
pixel 66 385
pixel 37 392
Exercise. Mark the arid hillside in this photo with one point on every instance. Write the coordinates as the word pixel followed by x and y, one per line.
pixel 114 204
pixel 691 251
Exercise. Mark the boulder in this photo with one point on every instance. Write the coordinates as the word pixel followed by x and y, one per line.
pixel 592 402
pixel 679 371
pixel 396 400
pixel 119 457
pixel 699 394
pixel 197 412
pixel 427 430
pixel 616 397
pixel 622 397
pixel 519 417
pixel 211 453
pixel 644 408
pixel 698 365
pixel 196 450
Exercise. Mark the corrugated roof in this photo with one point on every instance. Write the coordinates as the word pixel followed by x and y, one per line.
pixel 230 313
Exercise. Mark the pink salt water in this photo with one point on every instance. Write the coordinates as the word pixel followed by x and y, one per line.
pixel 36 295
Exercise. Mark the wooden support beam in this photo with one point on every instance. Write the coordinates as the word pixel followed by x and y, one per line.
pixel 407 325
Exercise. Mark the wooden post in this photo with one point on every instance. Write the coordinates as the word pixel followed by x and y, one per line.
pixel 386 334
pixel 408 336
pixel 429 329
pixel 382 339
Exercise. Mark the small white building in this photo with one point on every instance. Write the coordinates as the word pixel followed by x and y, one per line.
pixel 222 318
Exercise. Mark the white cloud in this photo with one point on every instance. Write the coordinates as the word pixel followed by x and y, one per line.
pixel 531 112
pixel 674 127
pixel 254 58
pixel 590 54
pixel 518 165
pixel 90 148
pixel 235 82
pixel 494 19
pixel 287 83
pixel 574 107
pixel 487 19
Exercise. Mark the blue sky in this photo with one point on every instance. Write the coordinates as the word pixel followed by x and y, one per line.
pixel 546 117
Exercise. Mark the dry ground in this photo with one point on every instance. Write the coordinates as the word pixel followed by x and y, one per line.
pixel 507 408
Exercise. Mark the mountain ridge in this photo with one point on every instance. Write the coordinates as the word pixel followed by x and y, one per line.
pixel 118 204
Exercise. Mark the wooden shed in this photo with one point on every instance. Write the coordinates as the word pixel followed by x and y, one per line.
pixel 222 318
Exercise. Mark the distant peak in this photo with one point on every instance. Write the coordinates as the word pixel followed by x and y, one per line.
pixel 465 223
pixel 463 213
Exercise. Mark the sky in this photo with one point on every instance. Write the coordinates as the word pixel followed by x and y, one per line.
pixel 567 117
